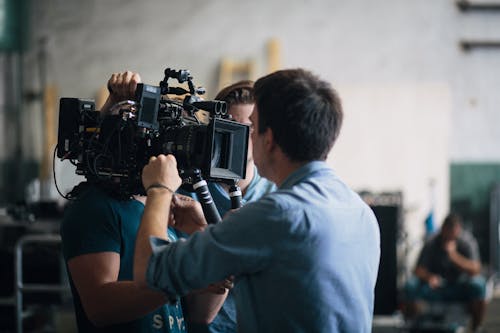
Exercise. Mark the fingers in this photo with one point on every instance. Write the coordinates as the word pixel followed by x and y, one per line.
pixel 161 170
pixel 134 80
pixel 217 289
pixel 171 219
pixel 183 200
pixel 170 158
pixel 120 83
pixel 223 286
pixel 123 85
pixel 164 159
pixel 228 283
pixel 112 82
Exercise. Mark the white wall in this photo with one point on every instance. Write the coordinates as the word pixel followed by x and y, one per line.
pixel 396 138
pixel 413 100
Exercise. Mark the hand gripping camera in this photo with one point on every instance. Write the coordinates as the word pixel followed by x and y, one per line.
pixel 111 149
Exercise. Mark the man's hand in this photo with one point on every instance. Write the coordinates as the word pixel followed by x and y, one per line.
pixel 221 287
pixel 161 170
pixel 204 304
pixel 450 247
pixel 187 215
pixel 434 281
pixel 121 86
pixel 469 266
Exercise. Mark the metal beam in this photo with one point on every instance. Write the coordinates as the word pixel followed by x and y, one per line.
pixel 466 5
pixel 468 45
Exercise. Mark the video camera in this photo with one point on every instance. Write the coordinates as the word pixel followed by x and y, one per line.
pixel 111 149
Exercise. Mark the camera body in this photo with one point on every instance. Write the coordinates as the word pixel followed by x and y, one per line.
pixel 111 149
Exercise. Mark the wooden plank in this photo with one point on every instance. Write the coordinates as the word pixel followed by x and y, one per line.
pixel 50 130
pixel 273 55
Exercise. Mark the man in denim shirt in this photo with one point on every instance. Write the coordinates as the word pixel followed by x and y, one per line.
pixel 305 258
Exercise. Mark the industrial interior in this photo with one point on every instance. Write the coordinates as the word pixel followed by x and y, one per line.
pixel 419 83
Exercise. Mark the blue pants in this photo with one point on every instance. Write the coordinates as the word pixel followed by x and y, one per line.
pixel 465 289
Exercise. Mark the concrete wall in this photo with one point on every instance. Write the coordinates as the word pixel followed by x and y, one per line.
pixel 413 99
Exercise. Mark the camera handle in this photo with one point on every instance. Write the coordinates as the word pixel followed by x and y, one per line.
pixel 235 195
pixel 205 198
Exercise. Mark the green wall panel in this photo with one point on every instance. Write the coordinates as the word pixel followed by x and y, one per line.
pixel 14 18
pixel 470 187
pixel 472 183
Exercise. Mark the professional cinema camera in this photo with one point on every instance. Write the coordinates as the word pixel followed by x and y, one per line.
pixel 111 149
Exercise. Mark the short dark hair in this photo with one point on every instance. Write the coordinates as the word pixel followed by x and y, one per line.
pixel 452 220
pixel 303 111
pixel 237 93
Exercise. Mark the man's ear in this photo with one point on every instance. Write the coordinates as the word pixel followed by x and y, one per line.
pixel 269 142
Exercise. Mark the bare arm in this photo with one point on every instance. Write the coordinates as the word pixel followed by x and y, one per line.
pixel 469 266
pixel 202 305
pixel 432 279
pixel 121 87
pixel 154 222
pixel 161 170
pixel 105 300
pixel 187 217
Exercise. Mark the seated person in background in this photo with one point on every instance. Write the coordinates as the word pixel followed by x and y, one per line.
pixel 448 269
pixel 240 102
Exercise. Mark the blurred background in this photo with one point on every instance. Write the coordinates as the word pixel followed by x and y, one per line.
pixel 419 80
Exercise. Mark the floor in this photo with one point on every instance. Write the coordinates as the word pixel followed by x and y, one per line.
pixel 492 319
pixel 396 324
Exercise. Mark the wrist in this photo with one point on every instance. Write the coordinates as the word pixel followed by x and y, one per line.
pixel 158 187
pixel 158 192
pixel 452 255
pixel 108 104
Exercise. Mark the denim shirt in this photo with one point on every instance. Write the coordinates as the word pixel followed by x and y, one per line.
pixel 305 257
pixel 225 321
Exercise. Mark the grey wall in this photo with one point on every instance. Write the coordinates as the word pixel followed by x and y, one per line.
pixel 406 84
pixel 346 42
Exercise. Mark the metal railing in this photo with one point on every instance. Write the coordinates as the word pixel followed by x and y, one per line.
pixel 20 287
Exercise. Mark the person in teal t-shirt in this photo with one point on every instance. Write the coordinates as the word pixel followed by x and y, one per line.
pixel 98 239
pixel 240 102
pixel 98 236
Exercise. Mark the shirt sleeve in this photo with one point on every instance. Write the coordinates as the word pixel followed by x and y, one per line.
pixel 232 247
pixel 474 251
pixel 424 259
pixel 469 247
pixel 90 226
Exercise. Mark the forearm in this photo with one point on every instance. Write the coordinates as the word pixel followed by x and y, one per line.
pixel 154 222
pixel 423 274
pixel 106 107
pixel 468 266
pixel 121 301
pixel 203 306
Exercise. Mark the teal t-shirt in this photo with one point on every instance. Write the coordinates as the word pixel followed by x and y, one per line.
pixel 95 222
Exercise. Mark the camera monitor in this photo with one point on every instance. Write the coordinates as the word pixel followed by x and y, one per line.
pixel 229 147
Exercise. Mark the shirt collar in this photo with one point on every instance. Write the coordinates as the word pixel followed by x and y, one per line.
pixel 302 172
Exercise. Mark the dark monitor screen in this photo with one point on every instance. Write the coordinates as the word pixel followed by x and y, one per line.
pixel 148 113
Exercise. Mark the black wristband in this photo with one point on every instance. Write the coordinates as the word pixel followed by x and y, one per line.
pixel 158 185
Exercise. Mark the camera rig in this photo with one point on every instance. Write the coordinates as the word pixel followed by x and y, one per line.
pixel 110 149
